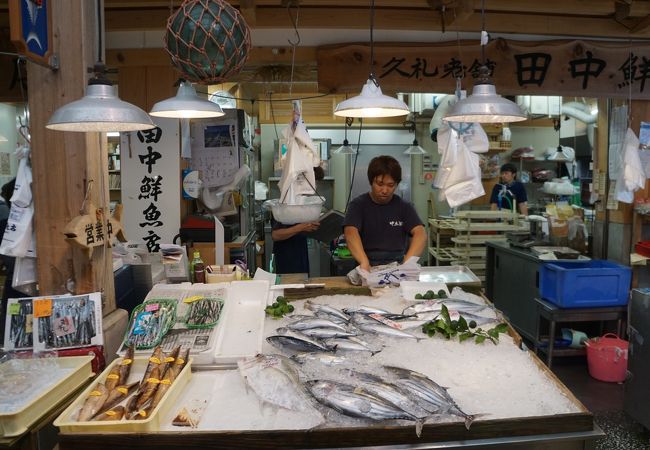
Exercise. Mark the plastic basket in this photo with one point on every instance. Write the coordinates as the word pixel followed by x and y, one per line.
pixel 607 358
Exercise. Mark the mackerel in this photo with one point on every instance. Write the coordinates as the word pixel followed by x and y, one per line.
pixel 295 343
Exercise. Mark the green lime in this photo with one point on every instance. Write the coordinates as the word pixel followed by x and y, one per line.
pixel 275 305
pixel 418 296
pixel 472 324
pixel 291 308
pixel 442 294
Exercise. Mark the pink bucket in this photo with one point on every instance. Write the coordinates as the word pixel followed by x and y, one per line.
pixel 607 358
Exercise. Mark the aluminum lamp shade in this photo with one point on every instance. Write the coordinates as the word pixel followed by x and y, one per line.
pixel 345 149
pixel 485 106
pixel 415 149
pixel 100 110
pixel 371 103
pixel 559 156
pixel 186 105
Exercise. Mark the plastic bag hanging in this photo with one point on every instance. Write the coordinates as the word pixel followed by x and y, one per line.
pixel 298 168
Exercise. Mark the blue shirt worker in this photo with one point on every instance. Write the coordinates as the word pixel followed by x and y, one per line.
pixel 379 226
pixel 508 190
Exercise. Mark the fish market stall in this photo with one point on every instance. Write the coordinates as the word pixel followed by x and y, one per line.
pixel 335 371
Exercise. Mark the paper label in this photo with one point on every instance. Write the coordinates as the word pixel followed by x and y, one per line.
pixel 142 323
pixel 43 307
pixel 63 326
pixel 29 321
pixel 14 309
pixel 152 307
pixel 192 299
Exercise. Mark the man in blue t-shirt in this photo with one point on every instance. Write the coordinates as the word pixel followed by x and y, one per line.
pixel 508 190
pixel 378 224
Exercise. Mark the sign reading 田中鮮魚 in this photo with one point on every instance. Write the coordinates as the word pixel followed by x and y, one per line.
pixel 150 167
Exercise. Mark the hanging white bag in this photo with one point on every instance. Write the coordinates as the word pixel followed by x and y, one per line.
pixel 24 279
pixel 18 233
pixel 22 195
pixel 475 139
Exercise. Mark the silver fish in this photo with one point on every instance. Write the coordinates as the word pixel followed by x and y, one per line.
pixel 275 380
pixel 327 309
pixel 326 333
pixel 380 328
pixel 284 342
pixel 327 359
pixel 333 318
pixel 355 402
pixel 387 391
pixel 450 303
pixel 347 345
pixel 432 397
pixel 314 322
pixel 362 309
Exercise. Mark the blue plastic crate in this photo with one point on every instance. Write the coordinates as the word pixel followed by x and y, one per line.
pixel 585 284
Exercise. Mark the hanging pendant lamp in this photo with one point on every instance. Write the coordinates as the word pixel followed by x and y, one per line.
pixel 371 102
pixel 346 148
pixel 100 110
pixel 415 149
pixel 559 156
pixel 186 105
pixel 484 105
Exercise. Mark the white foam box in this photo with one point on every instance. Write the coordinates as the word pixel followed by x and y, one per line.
pixel 72 372
pixel 68 423
pixel 242 328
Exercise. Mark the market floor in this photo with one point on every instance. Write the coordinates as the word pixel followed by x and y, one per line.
pixel 605 401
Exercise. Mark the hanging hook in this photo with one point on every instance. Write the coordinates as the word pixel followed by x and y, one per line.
pixel 294 22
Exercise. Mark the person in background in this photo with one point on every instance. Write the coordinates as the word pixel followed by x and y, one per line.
pixel 290 253
pixel 379 224
pixel 508 190
pixel 8 261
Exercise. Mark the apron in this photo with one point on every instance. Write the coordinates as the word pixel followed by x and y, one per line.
pixel 379 257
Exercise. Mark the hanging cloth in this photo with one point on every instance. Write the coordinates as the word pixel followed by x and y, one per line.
pixel 298 167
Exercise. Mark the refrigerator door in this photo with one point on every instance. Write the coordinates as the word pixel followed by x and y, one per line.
pixel 637 387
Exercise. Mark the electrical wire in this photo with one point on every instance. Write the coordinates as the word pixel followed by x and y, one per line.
pixel 275 124
pixel 354 166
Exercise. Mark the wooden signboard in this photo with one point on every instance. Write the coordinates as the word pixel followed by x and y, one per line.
pixel 31 29
pixel 559 67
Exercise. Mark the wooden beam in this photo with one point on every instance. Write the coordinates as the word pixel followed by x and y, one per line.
pixel 247 9
pixel 64 164
pixel 622 10
pixel 641 26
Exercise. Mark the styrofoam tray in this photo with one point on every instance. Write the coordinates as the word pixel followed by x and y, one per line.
pixel 242 332
pixel 74 371
pixel 449 274
pixel 410 288
pixel 67 420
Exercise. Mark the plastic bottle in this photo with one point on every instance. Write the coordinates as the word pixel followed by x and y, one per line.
pixel 198 269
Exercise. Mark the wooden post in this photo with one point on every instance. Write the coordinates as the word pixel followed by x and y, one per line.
pixel 64 164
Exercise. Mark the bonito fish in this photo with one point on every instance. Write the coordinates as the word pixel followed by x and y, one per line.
pixel 276 381
pixel 326 359
pixel 326 309
pixel 356 402
pixel 347 345
pixel 93 403
pixel 295 341
pixel 428 394
pixel 314 322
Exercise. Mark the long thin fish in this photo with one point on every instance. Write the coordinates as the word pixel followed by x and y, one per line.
pixel 117 395
pixel 379 328
pixel 113 378
pixel 93 403
pixel 125 365
pixel 112 414
pixel 296 344
pixel 327 309
pixel 155 360
pixel 150 386
pixel 170 375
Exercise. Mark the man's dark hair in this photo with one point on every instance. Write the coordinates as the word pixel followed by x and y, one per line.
pixel 507 167
pixel 384 165
pixel 7 191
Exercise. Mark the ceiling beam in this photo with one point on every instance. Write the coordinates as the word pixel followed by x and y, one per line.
pixel 247 9
pixel 400 19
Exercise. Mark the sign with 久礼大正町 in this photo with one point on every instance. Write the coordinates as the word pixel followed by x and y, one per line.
pixel 150 170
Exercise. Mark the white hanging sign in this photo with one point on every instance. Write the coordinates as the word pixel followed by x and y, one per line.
pixel 151 184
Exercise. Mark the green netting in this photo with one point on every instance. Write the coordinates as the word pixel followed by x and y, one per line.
pixel 208 40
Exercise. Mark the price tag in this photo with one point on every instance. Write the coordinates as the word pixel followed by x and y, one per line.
pixel 43 307
pixel 192 299
pixel 152 307
pixel 14 309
